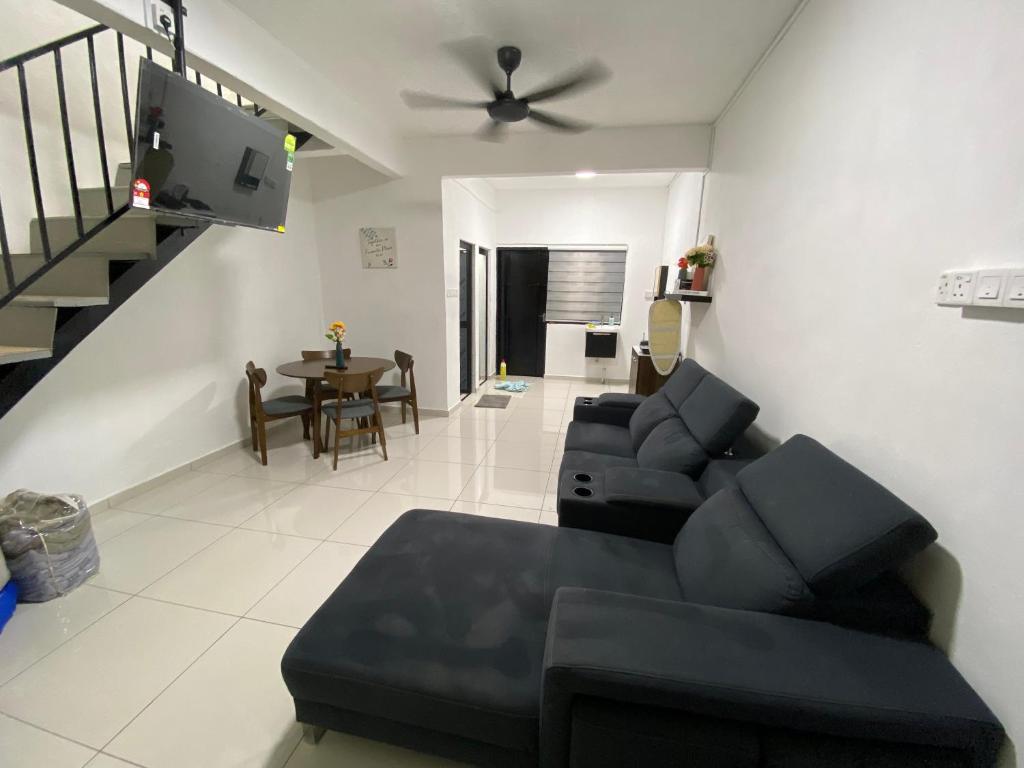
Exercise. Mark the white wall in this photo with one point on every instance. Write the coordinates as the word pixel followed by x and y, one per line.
pixel 386 309
pixel 468 207
pixel 682 218
pixel 879 145
pixel 161 382
pixel 634 217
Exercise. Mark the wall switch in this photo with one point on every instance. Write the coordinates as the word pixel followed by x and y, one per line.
pixel 648 294
pixel 1014 294
pixel 962 290
pixel 452 293
pixel 943 289
pixel 989 286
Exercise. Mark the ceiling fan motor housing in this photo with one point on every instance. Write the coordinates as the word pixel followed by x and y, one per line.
pixel 508 110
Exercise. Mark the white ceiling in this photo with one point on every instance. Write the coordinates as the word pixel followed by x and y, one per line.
pixel 674 61
pixel 570 181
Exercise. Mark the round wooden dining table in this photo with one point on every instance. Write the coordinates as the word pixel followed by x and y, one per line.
pixel 313 371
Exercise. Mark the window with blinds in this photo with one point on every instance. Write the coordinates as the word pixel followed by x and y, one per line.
pixel 585 286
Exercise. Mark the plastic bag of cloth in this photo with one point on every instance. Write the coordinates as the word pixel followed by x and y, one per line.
pixel 48 543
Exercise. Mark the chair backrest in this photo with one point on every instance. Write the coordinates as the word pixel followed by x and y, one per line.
pixel 355 383
pixel 324 354
pixel 405 362
pixel 256 377
pixel 692 418
pixel 801 526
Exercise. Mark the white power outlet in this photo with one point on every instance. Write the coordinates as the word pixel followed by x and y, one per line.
pixel 1014 294
pixel 962 291
pixel 154 10
pixel 989 287
pixel 943 289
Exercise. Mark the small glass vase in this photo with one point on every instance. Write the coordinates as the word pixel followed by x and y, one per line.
pixel 339 356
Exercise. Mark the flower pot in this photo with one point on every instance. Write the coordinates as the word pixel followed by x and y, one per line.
pixel 339 356
pixel 701 277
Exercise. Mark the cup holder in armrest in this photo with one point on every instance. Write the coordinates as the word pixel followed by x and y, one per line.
pixel 588 401
pixel 582 477
pixel 583 492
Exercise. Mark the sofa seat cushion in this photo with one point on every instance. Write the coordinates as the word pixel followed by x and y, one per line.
pixel 592 462
pixel 599 438
pixel 442 624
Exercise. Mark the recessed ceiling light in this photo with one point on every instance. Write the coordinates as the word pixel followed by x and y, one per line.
pixel 586 174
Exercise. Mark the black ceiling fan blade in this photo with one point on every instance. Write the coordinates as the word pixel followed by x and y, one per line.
pixel 574 81
pixel 559 123
pixel 476 55
pixel 422 100
pixel 493 131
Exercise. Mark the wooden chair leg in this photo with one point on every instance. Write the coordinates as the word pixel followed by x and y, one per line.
pixel 252 429
pixel 263 442
pixel 403 411
pixel 305 426
pixel 380 431
pixel 337 432
pixel 415 414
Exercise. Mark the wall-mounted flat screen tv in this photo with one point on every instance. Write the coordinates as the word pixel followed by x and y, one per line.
pixel 198 155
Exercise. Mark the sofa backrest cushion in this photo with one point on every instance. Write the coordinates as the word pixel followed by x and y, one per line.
pixel 683 381
pixel 839 527
pixel 716 414
pixel 671 447
pixel 726 557
pixel 649 414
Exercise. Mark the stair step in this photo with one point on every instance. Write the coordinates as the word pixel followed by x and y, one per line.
pixel 94 203
pixel 21 354
pixel 27 327
pixel 80 276
pixel 123 175
pixel 131 234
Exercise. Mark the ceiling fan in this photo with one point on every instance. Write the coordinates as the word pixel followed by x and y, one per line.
pixel 506 107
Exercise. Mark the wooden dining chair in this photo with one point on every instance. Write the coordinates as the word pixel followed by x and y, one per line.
pixel 364 411
pixel 261 411
pixel 322 354
pixel 406 391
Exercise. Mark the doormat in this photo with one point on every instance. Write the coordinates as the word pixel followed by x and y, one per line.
pixel 493 401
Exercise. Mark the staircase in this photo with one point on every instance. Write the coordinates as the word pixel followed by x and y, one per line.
pixel 80 268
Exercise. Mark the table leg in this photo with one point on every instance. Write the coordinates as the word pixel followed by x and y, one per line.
pixel 316 420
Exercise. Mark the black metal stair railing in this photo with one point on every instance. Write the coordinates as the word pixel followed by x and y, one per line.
pixel 52 256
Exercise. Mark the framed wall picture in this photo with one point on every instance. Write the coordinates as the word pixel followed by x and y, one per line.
pixel 377 246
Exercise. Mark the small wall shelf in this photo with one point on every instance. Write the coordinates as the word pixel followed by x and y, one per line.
pixel 700 297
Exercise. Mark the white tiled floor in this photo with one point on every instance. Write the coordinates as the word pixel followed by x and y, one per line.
pixel 170 656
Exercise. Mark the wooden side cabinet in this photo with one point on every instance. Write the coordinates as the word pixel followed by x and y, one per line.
pixel 643 378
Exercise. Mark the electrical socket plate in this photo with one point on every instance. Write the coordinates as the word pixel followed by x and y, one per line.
pixel 962 291
pixel 942 290
pixel 153 10
pixel 1013 296
pixel 989 287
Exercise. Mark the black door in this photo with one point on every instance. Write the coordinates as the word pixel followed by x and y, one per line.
pixel 522 298
pixel 465 317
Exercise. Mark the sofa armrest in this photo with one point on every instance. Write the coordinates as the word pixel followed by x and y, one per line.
pixel 758 669
pixel 626 501
pixel 610 408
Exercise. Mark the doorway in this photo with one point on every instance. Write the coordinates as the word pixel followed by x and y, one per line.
pixel 482 286
pixel 522 301
pixel 466 251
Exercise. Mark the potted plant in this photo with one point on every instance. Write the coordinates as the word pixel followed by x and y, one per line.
pixel 336 333
pixel 702 259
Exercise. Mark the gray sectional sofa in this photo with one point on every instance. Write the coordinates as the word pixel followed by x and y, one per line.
pixel 742 643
